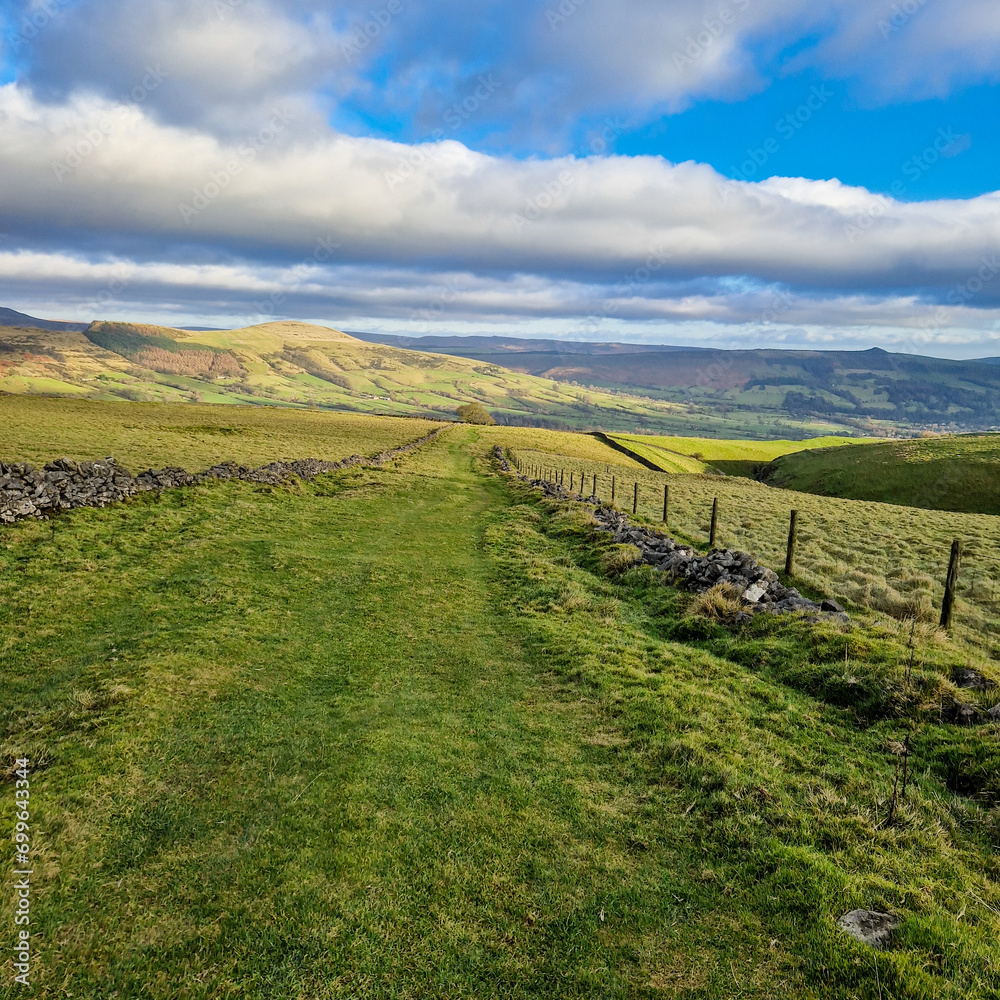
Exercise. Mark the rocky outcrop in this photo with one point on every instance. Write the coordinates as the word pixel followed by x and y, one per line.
pixel 64 485
pixel 760 588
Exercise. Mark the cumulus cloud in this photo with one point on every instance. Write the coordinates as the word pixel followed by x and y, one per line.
pixel 186 142
pixel 217 62
pixel 113 173
pixel 560 63
pixel 751 270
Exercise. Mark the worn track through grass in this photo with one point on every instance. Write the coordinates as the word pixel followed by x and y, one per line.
pixel 389 734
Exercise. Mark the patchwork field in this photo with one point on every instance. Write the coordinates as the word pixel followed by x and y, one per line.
pixel 413 731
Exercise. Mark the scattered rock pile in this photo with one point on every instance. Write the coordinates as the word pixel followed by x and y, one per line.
pixel 501 459
pixel 62 485
pixel 759 586
pixel 972 679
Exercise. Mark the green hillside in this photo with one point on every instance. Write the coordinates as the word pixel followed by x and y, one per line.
pixel 297 365
pixel 734 457
pixel 772 391
pixel 959 473
pixel 414 731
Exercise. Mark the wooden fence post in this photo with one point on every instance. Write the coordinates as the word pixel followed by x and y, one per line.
pixel 595 484
pixel 793 528
pixel 951 584
pixel 612 490
pixel 635 500
pixel 666 502
pixel 571 480
pixel 715 523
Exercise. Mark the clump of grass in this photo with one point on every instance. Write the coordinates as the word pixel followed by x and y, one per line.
pixel 617 559
pixel 720 604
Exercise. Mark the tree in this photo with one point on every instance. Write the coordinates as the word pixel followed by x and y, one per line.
pixel 474 413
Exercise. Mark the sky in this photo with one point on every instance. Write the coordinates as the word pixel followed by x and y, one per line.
pixel 729 173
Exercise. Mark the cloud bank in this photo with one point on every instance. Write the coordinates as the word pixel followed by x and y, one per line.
pixel 190 145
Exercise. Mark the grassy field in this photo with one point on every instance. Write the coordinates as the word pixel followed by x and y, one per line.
pixel 950 473
pixel 143 435
pixel 882 557
pixel 398 733
pixel 734 457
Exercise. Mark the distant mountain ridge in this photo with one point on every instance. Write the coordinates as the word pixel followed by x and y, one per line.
pixel 749 393
pixel 11 317
pixel 477 344
pixel 857 388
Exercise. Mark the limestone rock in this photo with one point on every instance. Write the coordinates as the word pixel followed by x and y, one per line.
pixel 972 680
pixel 962 714
pixel 869 927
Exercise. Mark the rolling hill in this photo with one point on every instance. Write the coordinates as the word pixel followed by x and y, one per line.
pixel 957 473
pixel 865 390
pixel 11 317
pixel 298 365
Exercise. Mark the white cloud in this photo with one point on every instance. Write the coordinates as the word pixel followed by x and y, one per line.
pixel 124 176
pixel 229 59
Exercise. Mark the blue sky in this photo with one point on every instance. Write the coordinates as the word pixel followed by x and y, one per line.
pixel 731 172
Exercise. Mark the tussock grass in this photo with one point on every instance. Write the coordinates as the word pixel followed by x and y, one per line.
pixel 721 603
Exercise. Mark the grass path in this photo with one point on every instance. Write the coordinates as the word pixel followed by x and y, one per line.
pixel 335 775
pixel 385 735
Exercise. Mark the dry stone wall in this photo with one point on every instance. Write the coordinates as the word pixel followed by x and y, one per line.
pixel 64 485
pixel 759 586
